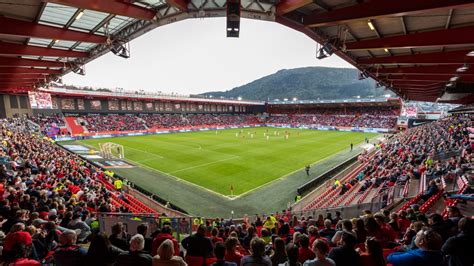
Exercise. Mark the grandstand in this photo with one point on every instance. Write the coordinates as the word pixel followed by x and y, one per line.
pixel 402 196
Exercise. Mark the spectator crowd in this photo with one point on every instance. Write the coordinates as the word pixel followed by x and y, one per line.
pixel 49 199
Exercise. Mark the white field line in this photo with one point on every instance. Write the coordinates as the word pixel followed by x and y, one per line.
pixel 280 178
pixel 285 176
pixel 172 176
pixel 229 197
pixel 184 181
pixel 204 164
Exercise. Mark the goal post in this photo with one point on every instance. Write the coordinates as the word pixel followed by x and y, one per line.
pixel 110 150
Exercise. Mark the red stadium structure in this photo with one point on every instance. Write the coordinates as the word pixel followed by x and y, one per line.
pixel 421 50
pixel 406 199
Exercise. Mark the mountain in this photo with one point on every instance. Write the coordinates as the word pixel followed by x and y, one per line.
pixel 307 83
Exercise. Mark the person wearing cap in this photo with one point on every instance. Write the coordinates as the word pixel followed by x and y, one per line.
pixel 16 238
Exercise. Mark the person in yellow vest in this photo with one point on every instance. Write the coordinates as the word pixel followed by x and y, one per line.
pixel 429 162
pixel 118 184
pixel 297 197
pixel 269 224
pixel 337 183
pixel 272 216
pixel 196 222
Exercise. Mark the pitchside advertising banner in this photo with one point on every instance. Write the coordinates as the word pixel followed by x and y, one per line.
pixel 414 122
pixel 158 132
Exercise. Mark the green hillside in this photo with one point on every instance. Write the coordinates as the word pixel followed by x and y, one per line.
pixel 306 83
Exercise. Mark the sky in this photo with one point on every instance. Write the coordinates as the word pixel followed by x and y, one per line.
pixel 195 56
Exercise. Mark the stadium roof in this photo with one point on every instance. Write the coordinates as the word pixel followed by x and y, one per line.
pixel 414 47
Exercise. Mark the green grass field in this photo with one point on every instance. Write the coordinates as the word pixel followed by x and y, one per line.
pixel 217 161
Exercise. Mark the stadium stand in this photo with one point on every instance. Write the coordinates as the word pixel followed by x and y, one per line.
pixel 104 124
pixel 107 123
pixel 51 199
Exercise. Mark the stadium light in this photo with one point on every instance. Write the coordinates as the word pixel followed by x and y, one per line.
pixel 363 74
pixel 120 49
pixel 286 99
pixel 371 26
pixel 239 98
pixel 79 15
pixel 463 68
pixel 295 99
pixel 325 51
pixel 79 69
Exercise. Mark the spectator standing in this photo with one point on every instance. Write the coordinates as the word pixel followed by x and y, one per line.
pixel 198 245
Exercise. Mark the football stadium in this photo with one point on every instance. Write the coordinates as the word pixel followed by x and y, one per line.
pixel 370 169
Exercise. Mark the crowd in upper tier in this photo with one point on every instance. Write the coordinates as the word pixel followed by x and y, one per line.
pixel 364 117
pixel 338 111
pixel 97 123
pixel 114 122
pixel 365 121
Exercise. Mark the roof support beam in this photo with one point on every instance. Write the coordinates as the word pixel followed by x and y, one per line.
pixel 24 70
pixel 445 37
pixel 427 78
pixel 21 49
pixel 453 57
pixel 116 7
pixel 16 84
pixel 415 84
pixel 17 62
pixel 22 76
pixel 31 29
pixel 182 5
pixel 381 8
pixel 286 6
pixel 425 70
pixel 20 81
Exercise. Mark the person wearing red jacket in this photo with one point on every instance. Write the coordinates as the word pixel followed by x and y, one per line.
pixel 161 237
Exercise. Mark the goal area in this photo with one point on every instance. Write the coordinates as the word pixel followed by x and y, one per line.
pixel 110 150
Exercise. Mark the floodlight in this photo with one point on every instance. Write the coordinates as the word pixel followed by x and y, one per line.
pixel 79 69
pixel 371 26
pixel 464 68
pixel 120 49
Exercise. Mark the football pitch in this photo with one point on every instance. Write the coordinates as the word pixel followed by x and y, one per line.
pixel 235 161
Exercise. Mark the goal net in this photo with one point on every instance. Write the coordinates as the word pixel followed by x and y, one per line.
pixel 110 150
